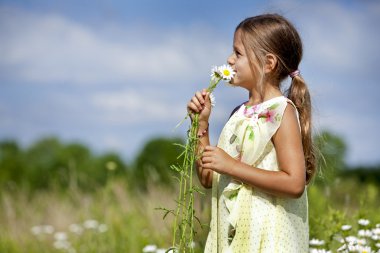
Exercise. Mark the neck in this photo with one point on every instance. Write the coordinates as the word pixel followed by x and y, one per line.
pixel 270 91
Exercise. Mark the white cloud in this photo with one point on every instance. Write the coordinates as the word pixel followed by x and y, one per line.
pixel 131 106
pixel 50 48
pixel 340 38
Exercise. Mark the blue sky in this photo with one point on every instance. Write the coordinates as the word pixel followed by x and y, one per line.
pixel 113 74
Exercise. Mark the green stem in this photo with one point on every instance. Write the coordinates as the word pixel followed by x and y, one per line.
pixel 184 213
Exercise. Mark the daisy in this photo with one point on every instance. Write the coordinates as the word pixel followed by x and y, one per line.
pixel 212 99
pixel 363 222
pixel 226 72
pixel 346 227
pixel 215 72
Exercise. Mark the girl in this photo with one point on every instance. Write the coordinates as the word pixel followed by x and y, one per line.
pixel 264 158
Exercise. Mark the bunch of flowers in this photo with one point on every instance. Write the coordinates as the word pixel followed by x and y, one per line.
pixel 184 214
pixel 366 239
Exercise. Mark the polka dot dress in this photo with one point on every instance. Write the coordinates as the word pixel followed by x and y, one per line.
pixel 245 219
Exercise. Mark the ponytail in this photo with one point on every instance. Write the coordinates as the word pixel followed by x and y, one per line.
pixel 299 94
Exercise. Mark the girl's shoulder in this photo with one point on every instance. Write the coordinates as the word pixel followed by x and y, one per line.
pixel 237 108
pixel 267 109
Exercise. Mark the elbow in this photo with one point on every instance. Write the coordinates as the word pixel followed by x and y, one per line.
pixel 207 186
pixel 206 183
pixel 297 191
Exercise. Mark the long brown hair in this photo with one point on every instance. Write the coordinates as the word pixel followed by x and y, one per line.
pixel 272 33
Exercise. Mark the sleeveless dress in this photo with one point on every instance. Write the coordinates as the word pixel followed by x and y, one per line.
pixel 245 219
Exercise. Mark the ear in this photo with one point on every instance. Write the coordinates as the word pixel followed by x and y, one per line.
pixel 270 63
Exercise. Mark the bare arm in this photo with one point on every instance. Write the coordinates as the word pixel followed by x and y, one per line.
pixel 204 174
pixel 288 182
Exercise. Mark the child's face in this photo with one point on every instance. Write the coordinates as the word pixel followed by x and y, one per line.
pixel 240 63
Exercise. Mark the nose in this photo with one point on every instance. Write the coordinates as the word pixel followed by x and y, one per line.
pixel 231 59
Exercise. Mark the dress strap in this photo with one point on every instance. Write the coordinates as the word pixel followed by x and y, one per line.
pixel 295 107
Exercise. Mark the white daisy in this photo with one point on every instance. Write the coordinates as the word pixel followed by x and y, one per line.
pixel 365 233
pixel 102 228
pixel 91 224
pixel 215 72
pixel 226 72
pixel 316 242
pixel 363 222
pixel 346 227
pixel 212 99
pixel 60 236
pixel 36 230
pixel 76 228
pixel 150 248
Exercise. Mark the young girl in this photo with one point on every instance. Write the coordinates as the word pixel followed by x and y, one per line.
pixel 264 158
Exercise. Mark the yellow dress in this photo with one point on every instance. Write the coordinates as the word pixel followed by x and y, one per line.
pixel 243 218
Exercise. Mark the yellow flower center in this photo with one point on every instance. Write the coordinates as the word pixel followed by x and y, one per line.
pixel 226 72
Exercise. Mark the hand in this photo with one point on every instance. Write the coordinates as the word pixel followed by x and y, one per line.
pixel 200 103
pixel 218 160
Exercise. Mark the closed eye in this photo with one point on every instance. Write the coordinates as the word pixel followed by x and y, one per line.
pixel 237 52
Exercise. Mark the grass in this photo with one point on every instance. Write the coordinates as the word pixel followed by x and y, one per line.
pixel 133 223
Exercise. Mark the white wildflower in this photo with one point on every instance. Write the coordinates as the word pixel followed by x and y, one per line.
pixel 212 99
pixel 36 230
pixel 102 228
pixel 150 248
pixel 352 248
pixel 376 231
pixel 91 224
pixel 60 236
pixel 342 248
pixel 226 72
pixel 375 237
pixel 366 249
pixel 62 245
pixel 351 239
pixel 346 227
pixel 365 233
pixel 192 245
pixel 312 250
pixel 215 72
pixel 316 242
pixel 76 228
pixel 48 229
pixel 363 222
pixel 378 225
pixel 377 245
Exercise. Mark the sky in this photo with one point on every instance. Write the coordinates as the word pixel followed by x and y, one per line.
pixel 114 74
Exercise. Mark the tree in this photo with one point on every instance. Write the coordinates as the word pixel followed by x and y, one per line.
pixel 153 162
pixel 11 162
pixel 332 151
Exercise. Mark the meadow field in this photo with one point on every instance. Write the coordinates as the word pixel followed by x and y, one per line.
pixel 113 219
pixel 82 212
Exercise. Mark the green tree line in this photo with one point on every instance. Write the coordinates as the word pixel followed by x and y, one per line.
pixel 51 163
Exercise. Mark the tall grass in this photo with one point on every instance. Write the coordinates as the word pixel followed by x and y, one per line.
pixel 133 222
pixel 130 217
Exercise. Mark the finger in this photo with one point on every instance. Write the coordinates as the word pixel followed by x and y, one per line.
pixel 196 102
pixel 210 148
pixel 206 160
pixel 204 92
pixel 208 166
pixel 193 107
pixel 206 154
pixel 200 97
